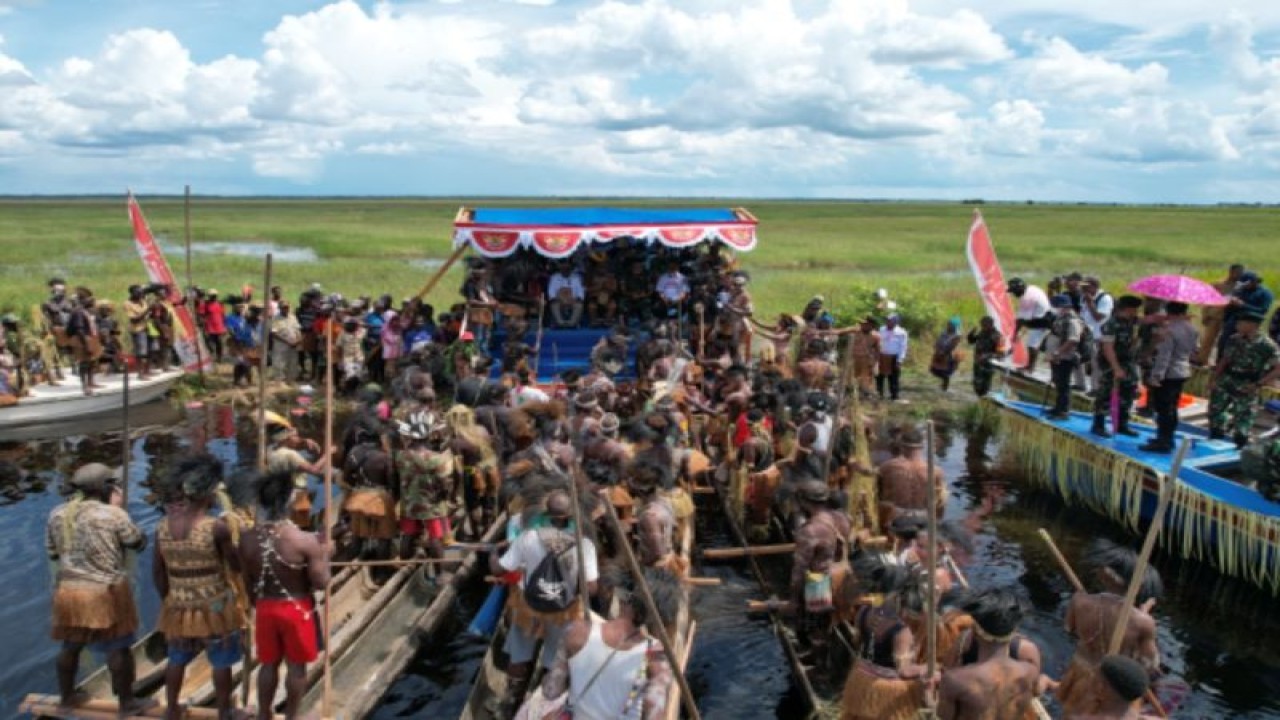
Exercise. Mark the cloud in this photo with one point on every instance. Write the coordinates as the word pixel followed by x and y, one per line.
pixel 1153 130
pixel 1058 69
pixel 1015 128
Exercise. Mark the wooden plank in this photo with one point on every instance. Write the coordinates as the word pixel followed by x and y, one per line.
pixel 47 706
pixel 749 550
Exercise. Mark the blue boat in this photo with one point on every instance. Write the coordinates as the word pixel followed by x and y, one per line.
pixel 1212 517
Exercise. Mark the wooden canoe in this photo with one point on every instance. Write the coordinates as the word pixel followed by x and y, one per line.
pixel 491 680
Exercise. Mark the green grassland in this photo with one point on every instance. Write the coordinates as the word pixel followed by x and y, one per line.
pixel 371 246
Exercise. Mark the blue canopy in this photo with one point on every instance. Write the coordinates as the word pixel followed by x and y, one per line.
pixel 585 217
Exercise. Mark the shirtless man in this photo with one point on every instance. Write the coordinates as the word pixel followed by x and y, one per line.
pixel 656 518
pixel 1090 617
pixel 284 567
pixel 997 686
pixel 819 567
pixel 739 309
pixel 902 481
pixel 813 370
pixel 1124 682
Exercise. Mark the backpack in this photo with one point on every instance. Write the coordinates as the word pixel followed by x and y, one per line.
pixel 552 587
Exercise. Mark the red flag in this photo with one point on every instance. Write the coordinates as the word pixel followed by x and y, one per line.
pixel 187 340
pixel 986 270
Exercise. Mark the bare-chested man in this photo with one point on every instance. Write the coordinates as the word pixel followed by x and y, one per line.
pixel 1124 682
pixel 1091 617
pixel 284 566
pixel 998 686
pixel 903 480
pixel 820 567
pixel 655 526
pixel 738 309
pixel 813 371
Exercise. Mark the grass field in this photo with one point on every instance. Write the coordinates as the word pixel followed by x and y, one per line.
pixel 371 246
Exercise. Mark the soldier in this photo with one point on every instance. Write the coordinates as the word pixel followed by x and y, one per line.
pixel 1118 367
pixel 1248 362
pixel 988 345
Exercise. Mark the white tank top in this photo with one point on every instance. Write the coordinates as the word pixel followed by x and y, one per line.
pixel 607 697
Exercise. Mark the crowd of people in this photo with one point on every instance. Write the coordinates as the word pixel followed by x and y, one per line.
pixel 452 429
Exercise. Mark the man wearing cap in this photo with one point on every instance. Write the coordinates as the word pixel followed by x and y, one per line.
pixel 1248 362
pixel 1062 348
pixel 1170 369
pixel 1211 317
pixel 819 566
pixel 524 555
pixel 893 352
pixel 903 481
pixel 1033 314
pixel 284 456
pixel 1118 363
pixel 1250 298
pixel 86 539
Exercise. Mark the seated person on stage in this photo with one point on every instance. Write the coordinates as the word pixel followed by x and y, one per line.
pixel 672 290
pixel 565 294
pixel 602 292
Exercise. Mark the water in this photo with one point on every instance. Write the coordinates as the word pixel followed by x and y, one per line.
pixel 1216 634
pixel 242 248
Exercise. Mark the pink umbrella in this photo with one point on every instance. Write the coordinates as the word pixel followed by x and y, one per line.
pixel 1179 288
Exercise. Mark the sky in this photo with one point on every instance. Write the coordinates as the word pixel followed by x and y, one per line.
pixel 1093 100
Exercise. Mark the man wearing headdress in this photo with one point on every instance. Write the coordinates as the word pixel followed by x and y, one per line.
pixel 84 339
pixel 87 538
pixel 192 567
pixel 739 309
pixel 477 462
pixel 996 684
pixel 285 456
pixel 1123 684
pixel 369 501
pixel 56 311
pixel 284 567
pixel 137 316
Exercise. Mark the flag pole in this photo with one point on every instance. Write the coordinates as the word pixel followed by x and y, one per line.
pixel 328 514
pixel 126 450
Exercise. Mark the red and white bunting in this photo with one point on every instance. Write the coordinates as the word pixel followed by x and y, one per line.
pixel 559 242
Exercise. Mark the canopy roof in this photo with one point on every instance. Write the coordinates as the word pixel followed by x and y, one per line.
pixel 558 232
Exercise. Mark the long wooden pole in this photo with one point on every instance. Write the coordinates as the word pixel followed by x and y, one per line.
pixel 435 279
pixel 931 582
pixel 264 335
pixel 328 513
pixel 127 448
pixel 1167 484
pixel 841 389
pixel 537 343
pixel 659 625
pixel 579 551
pixel 186 241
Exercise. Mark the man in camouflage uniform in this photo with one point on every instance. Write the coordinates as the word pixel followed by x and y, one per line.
pixel 988 346
pixel 1118 367
pixel 1249 361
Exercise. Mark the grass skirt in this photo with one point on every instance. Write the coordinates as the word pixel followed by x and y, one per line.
pixel 87 612
pixel 876 693
pixel 373 513
pixel 1078 690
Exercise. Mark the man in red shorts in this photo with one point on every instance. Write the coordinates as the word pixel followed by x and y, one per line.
pixel 425 467
pixel 283 567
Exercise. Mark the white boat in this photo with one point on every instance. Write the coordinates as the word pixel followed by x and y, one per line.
pixel 58 403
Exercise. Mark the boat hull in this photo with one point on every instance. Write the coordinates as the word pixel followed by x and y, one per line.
pixel 1210 518
pixel 54 404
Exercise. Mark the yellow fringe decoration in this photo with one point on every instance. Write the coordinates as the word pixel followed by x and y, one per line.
pixel 1237 541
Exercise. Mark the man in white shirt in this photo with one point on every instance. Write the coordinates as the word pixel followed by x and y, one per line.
pixel 673 290
pixel 1034 315
pixel 566 295
pixel 893 352
pixel 527 625
pixel 1096 306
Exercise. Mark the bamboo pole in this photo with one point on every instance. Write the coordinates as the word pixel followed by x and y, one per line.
pixel 435 279
pixel 537 343
pixel 931 599
pixel 127 447
pixel 659 625
pixel 842 389
pixel 186 241
pixel 328 512
pixel 579 551
pixel 748 551
pixel 1148 545
pixel 264 334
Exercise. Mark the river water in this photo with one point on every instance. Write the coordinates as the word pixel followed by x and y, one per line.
pixel 1217 636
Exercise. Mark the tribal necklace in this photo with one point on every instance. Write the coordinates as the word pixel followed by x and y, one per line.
pixel 267 538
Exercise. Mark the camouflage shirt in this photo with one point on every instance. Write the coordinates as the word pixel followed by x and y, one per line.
pixel 1123 336
pixel 1250 358
pixel 425 477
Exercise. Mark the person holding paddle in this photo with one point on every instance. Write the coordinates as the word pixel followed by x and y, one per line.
pixel 1091 618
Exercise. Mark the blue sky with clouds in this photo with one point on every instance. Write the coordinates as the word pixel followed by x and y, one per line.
pixel 1096 100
